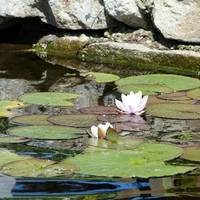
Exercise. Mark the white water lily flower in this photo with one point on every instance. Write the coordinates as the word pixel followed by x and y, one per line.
pixel 132 103
pixel 100 130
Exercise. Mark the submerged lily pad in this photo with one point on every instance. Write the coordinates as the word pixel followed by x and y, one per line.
pixel 101 77
pixel 31 120
pixel 194 94
pixel 76 120
pixel 126 163
pixel 12 140
pixel 174 110
pixel 36 168
pixel 46 132
pixel 100 110
pixel 49 98
pixel 192 154
pixel 174 82
pixel 176 96
pixel 6 106
pixel 146 89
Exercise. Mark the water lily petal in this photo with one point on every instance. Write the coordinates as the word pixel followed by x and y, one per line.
pixel 120 105
pixel 94 131
pixel 144 102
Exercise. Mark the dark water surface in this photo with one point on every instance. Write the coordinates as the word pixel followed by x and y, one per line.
pixel 22 72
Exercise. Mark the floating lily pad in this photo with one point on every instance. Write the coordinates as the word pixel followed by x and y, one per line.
pixel 146 89
pixel 194 94
pixel 31 120
pixel 174 110
pixel 192 154
pixel 126 143
pixel 101 77
pixel 46 132
pixel 100 110
pixel 7 156
pixel 176 96
pixel 12 140
pixel 174 82
pixel 125 163
pixel 76 120
pixel 36 168
pixel 6 106
pixel 49 98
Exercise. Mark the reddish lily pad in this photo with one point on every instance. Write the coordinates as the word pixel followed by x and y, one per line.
pixel 174 110
pixel 100 110
pixel 194 94
pixel 74 120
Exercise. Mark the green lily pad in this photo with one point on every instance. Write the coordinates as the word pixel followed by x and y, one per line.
pixel 12 140
pixel 100 110
pixel 192 154
pixel 6 106
pixel 8 156
pixel 49 98
pixel 174 82
pixel 76 120
pixel 46 132
pixel 36 168
pixel 126 143
pixel 101 77
pixel 31 120
pixel 124 163
pixel 147 89
pixel 194 94
pixel 174 110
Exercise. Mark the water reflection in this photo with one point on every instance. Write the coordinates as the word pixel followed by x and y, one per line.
pixel 178 187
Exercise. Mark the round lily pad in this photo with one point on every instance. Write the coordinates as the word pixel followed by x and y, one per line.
pixel 175 82
pixel 194 94
pixel 147 89
pixel 49 98
pixel 8 156
pixel 31 120
pixel 174 110
pixel 192 154
pixel 101 77
pixel 125 163
pixel 76 120
pixel 12 140
pixel 100 110
pixel 36 168
pixel 50 132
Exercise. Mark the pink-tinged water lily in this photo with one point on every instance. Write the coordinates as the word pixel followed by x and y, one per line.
pixel 100 131
pixel 132 103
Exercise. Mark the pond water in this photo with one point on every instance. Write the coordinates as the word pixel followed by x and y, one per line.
pixel 22 71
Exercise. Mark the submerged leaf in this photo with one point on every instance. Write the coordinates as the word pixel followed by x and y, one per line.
pixel 50 132
pixel 49 98
pixel 194 94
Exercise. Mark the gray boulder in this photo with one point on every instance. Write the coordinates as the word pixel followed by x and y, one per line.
pixel 177 19
pixel 125 11
pixel 67 14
